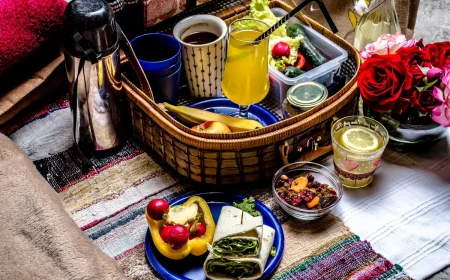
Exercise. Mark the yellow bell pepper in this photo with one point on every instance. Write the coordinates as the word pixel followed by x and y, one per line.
pixel 196 246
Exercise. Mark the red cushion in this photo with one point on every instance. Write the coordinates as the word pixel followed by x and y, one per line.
pixel 25 25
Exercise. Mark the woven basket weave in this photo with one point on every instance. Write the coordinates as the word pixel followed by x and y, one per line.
pixel 248 156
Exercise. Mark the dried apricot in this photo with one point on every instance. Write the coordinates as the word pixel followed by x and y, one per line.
pixel 313 202
pixel 299 184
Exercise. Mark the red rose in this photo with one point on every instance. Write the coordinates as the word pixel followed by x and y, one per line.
pixel 414 57
pixel 432 52
pixel 441 45
pixel 382 79
pixel 424 101
pixel 420 44
pixel 401 105
pixel 443 57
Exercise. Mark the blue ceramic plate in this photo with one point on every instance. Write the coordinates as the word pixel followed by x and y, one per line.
pixel 191 267
pixel 224 106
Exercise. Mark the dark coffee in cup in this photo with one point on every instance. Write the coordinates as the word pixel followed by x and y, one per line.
pixel 200 38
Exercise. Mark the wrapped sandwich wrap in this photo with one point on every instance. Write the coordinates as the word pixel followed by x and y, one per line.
pixel 237 233
pixel 240 231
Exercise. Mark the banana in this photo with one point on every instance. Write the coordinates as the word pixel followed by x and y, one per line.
pixel 195 116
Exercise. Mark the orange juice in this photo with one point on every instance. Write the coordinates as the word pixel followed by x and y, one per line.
pixel 246 77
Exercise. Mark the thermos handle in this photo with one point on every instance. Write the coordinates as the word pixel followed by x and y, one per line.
pixel 126 48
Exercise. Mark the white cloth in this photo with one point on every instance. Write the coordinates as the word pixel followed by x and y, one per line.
pixel 405 212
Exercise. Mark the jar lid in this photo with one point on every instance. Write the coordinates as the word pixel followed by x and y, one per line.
pixel 306 95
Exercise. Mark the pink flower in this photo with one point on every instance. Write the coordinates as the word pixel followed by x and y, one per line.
pixel 387 44
pixel 433 73
pixel 445 76
pixel 441 113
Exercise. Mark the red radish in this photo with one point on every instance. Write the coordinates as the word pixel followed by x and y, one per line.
pixel 198 231
pixel 157 208
pixel 165 233
pixel 177 236
pixel 281 49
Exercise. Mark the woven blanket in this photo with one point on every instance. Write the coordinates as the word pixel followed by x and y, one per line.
pixel 107 197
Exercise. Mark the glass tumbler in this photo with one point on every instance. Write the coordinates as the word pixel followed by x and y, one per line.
pixel 355 167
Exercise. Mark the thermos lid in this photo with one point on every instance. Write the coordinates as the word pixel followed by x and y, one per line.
pixel 306 95
pixel 92 22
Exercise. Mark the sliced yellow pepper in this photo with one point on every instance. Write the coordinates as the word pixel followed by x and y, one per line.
pixel 196 246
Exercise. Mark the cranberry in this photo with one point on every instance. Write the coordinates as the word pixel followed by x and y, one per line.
pixel 310 178
pixel 297 201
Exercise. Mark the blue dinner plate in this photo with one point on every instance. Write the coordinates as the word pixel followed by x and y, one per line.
pixel 224 106
pixel 191 267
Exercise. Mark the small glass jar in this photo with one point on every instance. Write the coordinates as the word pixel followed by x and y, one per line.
pixel 302 97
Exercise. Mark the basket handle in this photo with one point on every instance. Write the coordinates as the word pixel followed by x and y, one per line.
pixel 131 56
pixel 311 150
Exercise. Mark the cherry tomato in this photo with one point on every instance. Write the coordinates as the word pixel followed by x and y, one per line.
pixel 300 61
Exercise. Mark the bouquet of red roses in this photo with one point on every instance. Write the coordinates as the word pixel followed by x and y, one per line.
pixel 401 75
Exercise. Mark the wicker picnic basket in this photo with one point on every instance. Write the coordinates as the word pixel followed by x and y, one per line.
pixel 248 156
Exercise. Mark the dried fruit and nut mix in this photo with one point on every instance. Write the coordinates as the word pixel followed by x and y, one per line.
pixel 305 193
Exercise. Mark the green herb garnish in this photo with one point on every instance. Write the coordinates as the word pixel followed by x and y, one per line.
pixel 273 251
pixel 248 205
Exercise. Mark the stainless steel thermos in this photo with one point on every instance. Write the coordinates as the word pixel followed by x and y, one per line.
pixel 91 49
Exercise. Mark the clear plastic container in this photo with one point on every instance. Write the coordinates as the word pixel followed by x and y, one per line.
pixel 324 74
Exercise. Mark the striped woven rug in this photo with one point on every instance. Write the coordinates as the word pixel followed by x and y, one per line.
pixel 107 198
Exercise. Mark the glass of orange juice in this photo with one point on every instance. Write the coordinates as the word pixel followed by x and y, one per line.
pixel 246 77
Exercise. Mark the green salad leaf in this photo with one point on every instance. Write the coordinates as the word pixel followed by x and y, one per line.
pixel 273 251
pixel 232 268
pixel 259 9
pixel 248 205
pixel 235 247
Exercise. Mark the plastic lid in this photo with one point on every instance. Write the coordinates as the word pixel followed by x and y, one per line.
pixel 94 21
pixel 306 95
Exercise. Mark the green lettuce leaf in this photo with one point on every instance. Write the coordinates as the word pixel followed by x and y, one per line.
pixel 277 63
pixel 232 268
pixel 273 251
pixel 248 205
pixel 259 9
pixel 235 247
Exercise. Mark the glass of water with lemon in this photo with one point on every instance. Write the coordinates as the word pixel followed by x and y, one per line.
pixel 358 144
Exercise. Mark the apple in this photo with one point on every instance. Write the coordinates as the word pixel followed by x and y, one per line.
pixel 212 127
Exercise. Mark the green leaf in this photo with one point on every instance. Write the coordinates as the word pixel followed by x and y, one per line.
pixel 232 268
pixel 420 88
pixel 429 85
pixel 248 205
pixel 273 251
pixel 235 247
pixel 424 69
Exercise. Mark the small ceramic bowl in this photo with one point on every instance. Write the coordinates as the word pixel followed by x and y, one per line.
pixel 321 174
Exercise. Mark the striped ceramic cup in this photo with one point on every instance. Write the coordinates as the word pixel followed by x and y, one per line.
pixel 203 62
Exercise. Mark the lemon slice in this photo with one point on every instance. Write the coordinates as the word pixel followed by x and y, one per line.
pixel 360 139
